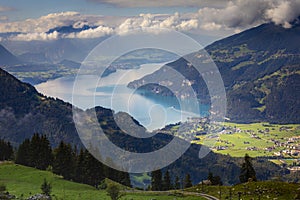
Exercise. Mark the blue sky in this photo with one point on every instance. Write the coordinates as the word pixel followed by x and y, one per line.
pixel 35 8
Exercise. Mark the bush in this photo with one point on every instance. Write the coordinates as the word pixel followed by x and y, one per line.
pixel 46 188
pixel 102 185
pixel 113 190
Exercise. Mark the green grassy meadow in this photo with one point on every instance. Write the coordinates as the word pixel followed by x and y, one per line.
pixel 238 142
pixel 252 190
pixel 26 181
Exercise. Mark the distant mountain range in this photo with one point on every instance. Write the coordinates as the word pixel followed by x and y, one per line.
pixel 70 29
pixel 53 51
pixel 7 58
pixel 260 68
pixel 35 68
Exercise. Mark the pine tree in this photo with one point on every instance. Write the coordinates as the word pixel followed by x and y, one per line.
pixel 80 168
pixel 114 191
pixel 40 152
pixel 188 181
pixel 6 150
pixel 124 178
pixel 156 180
pixel 215 180
pixel 45 154
pixel 23 153
pixel 210 177
pixel 35 147
pixel 167 181
pixel 36 152
pixel 94 172
pixel 64 162
pixel 177 183
pixel 247 170
pixel 118 176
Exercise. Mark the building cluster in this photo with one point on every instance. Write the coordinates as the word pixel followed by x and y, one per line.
pixel 291 147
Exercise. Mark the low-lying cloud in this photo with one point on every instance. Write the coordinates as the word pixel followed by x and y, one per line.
pixel 100 31
pixel 38 29
pixel 284 12
pixel 245 13
pixel 159 22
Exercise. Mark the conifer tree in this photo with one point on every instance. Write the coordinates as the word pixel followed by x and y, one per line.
pixel 156 180
pixel 114 191
pixel 94 172
pixel 214 180
pixel 6 150
pixel 40 152
pixel 64 163
pixel 177 183
pixel 23 153
pixel 124 178
pixel 80 167
pixel 188 181
pixel 167 185
pixel 247 170
pixel 45 153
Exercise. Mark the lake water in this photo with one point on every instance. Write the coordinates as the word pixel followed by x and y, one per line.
pixel 151 111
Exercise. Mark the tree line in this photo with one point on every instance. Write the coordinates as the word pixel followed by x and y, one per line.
pixel 80 166
pixel 64 160
pixel 160 182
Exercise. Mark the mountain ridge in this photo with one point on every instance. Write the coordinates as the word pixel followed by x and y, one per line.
pixel 7 58
pixel 244 60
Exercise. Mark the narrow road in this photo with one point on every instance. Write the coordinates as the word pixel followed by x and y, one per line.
pixel 206 196
pixel 209 197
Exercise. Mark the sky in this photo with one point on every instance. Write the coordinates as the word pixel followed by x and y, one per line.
pixel 212 19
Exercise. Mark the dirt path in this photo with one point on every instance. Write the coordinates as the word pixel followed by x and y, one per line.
pixel 206 196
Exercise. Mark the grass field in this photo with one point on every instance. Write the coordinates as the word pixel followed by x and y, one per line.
pixel 252 190
pixel 254 139
pixel 143 196
pixel 25 181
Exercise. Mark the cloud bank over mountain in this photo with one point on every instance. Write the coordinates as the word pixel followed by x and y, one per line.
pixel 231 16
pixel 244 13
pixel 37 29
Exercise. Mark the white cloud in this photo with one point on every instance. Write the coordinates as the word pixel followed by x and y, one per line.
pixel 36 29
pixel 211 26
pixel 158 22
pixel 39 25
pixel 187 25
pixel 234 16
pixel 284 12
pixel 44 23
pixel 35 36
pixel 247 13
pixel 92 33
